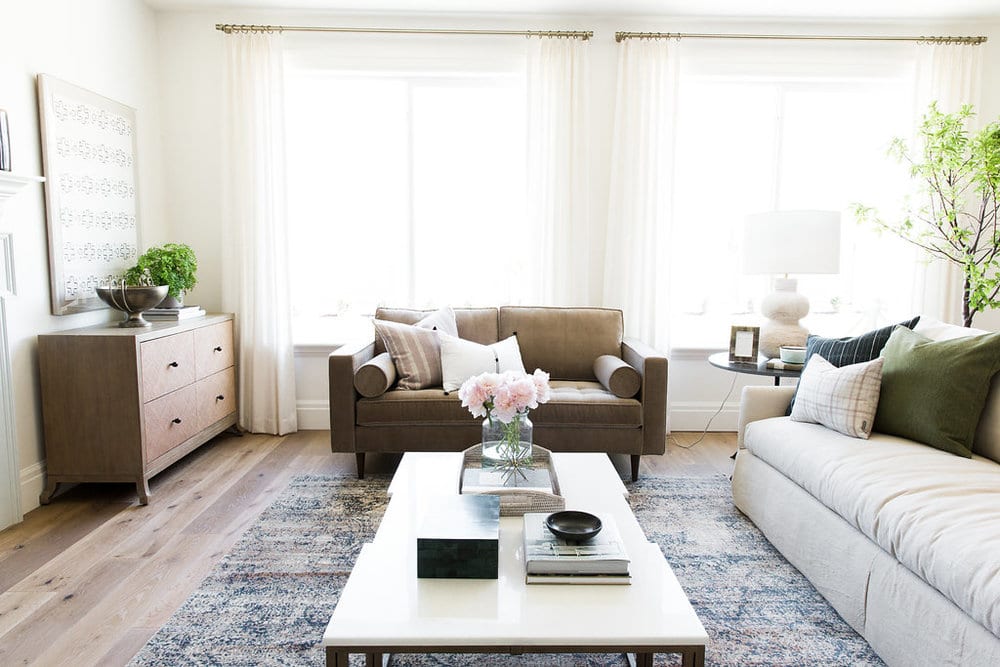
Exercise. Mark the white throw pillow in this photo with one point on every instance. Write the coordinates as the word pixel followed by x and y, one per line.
pixel 844 399
pixel 462 359
pixel 442 319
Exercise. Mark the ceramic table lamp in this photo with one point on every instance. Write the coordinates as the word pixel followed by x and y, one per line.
pixel 780 243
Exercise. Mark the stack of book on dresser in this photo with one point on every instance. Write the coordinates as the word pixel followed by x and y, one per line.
pixel 174 314
pixel 550 560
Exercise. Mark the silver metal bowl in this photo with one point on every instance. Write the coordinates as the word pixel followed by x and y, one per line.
pixel 132 301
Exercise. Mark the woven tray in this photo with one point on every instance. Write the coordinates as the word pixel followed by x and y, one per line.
pixel 517 501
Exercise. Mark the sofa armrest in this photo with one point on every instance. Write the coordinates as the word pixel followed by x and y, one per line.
pixel 758 403
pixel 343 363
pixel 652 366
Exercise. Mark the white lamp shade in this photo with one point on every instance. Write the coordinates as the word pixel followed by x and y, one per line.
pixel 792 242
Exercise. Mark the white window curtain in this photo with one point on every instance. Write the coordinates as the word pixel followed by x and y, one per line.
pixel 255 247
pixel 636 265
pixel 951 74
pixel 558 184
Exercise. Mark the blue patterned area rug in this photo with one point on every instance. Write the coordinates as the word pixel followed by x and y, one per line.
pixel 269 600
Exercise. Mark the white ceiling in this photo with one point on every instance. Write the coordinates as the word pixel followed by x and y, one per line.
pixel 788 9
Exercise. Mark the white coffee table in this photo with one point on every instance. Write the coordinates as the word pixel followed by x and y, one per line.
pixel 384 608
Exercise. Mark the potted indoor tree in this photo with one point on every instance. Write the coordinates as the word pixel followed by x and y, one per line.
pixel 958 215
pixel 173 265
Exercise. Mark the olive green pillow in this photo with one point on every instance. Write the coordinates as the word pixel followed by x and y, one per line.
pixel 934 391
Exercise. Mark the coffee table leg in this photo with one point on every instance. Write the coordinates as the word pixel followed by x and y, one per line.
pixel 337 658
pixel 639 659
pixel 694 657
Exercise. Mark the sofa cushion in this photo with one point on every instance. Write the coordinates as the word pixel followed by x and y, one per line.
pixel 617 376
pixel 934 391
pixel 564 342
pixel 476 324
pixel 843 399
pixel 571 404
pixel 937 514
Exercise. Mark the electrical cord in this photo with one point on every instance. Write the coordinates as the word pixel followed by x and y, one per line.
pixel 711 419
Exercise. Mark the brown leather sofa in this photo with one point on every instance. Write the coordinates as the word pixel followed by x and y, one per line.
pixel 581 416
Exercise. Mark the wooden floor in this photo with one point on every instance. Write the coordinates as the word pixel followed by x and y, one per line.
pixel 89 579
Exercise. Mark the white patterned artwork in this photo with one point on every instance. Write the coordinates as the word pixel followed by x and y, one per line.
pixel 91 200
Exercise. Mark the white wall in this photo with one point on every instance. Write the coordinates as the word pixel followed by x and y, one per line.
pixel 108 46
pixel 191 64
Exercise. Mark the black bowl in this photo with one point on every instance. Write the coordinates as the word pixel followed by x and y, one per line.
pixel 573 525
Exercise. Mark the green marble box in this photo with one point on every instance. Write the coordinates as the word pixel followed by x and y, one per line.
pixel 459 538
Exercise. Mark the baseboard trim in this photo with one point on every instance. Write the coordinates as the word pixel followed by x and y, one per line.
pixel 32 484
pixel 313 415
pixel 694 416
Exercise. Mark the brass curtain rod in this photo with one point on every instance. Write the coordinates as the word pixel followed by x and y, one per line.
pixel 974 41
pixel 229 28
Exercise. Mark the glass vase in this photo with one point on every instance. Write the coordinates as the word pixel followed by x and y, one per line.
pixel 507 443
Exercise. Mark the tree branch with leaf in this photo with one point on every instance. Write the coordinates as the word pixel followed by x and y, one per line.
pixel 957 220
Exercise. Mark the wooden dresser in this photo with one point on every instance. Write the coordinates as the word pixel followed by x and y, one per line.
pixel 120 405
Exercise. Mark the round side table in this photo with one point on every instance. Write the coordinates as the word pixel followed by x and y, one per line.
pixel 721 360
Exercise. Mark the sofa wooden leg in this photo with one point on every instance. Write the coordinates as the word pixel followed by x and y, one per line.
pixel 635 467
pixel 360 457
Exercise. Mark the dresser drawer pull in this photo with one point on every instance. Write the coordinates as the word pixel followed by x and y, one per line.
pixel 220 397
pixel 218 348
pixel 176 420
pixel 173 364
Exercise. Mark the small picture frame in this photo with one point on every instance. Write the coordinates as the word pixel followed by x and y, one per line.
pixel 744 343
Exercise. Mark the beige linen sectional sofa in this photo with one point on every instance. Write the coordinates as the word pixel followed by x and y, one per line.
pixel 583 414
pixel 902 539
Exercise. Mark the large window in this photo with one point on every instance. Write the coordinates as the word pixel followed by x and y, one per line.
pixel 406 187
pixel 761 131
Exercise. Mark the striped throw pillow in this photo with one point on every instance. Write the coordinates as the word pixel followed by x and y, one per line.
pixel 415 351
pixel 844 399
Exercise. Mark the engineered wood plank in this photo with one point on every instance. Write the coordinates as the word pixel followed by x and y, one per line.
pixel 15 607
pixel 24 560
pixel 128 644
pixel 148 595
pixel 182 511
pixel 51 620
pixel 249 495
pixel 140 530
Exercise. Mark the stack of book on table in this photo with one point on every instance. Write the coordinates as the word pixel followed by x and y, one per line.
pixel 550 560
pixel 168 314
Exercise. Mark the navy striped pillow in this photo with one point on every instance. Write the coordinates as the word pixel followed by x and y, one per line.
pixel 847 351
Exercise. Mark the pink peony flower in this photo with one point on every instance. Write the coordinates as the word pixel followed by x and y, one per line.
pixel 503 395
pixel 523 393
pixel 541 381
pixel 505 406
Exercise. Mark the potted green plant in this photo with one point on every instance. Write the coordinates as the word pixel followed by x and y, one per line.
pixel 958 215
pixel 173 265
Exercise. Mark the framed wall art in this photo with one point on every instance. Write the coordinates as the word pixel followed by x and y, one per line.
pixel 91 193
pixel 744 344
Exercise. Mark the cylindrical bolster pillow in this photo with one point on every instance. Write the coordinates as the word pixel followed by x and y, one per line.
pixel 376 376
pixel 617 376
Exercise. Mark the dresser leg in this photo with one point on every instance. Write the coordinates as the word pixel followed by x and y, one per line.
pixel 142 488
pixel 50 489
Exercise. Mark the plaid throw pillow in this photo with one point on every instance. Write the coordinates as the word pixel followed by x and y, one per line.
pixel 844 399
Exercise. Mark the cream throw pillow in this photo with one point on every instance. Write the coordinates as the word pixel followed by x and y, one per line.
pixel 462 359
pixel 844 399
